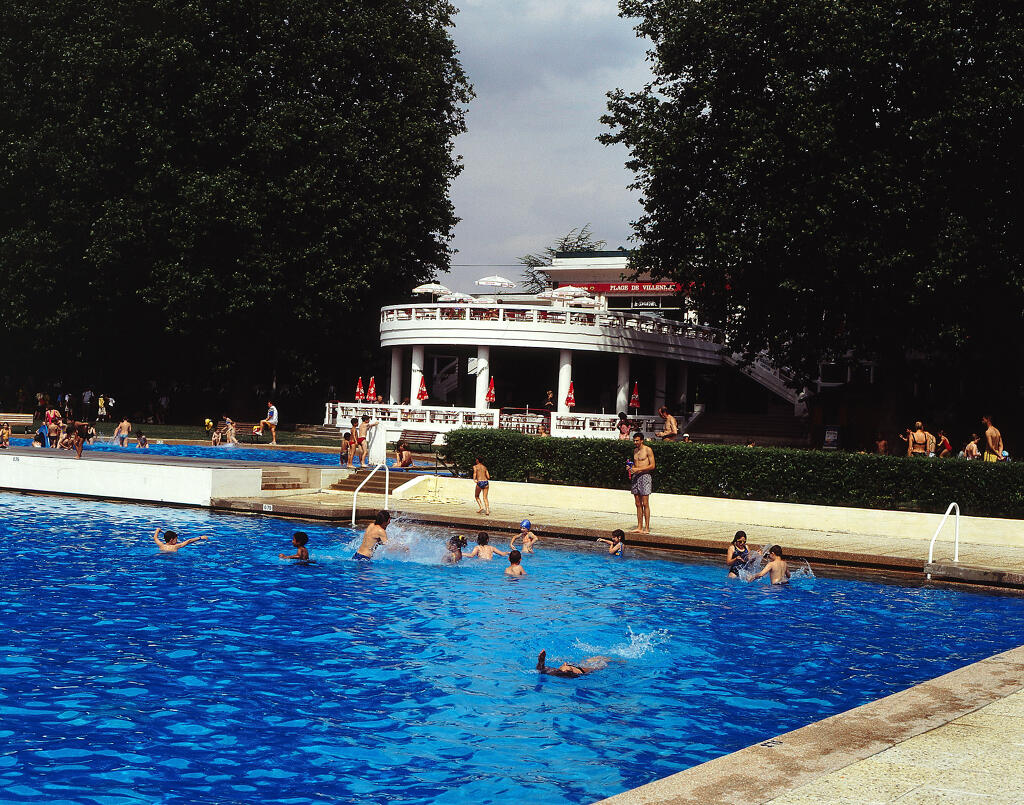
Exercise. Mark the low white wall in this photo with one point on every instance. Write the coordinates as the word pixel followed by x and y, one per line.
pixel 874 522
pixel 128 480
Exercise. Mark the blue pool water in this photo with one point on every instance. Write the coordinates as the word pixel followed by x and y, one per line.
pixel 222 674
pixel 232 452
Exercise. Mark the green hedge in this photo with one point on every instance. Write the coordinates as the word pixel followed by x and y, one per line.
pixel 750 473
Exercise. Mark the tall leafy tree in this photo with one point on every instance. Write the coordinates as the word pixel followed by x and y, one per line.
pixel 219 190
pixel 837 179
pixel 534 280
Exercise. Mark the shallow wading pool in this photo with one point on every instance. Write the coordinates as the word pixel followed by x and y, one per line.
pixel 222 674
pixel 226 452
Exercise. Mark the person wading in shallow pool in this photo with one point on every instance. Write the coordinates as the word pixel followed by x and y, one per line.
pixel 738 554
pixel 375 534
pixel 571 670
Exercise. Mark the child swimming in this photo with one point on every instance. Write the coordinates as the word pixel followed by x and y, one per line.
pixel 776 566
pixel 515 568
pixel 616 543
pixel 170 542
pixel 569 669
pixel 483 550
pixel 455 545
pixel 526 535
pixel 299 540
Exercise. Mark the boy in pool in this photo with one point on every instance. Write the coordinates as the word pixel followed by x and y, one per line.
pixel 483 550
pixel 170 542
pixel 299 540
pixel 571 670
pixel 776 566
pixel 483 480
pixel 526 535
pixel 615 543
pixel 515 567
pixel 376 534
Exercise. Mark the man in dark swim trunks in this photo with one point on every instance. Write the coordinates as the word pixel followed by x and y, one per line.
pixel 571 670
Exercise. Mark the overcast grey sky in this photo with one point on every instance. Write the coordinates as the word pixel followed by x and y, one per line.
pixel 533 169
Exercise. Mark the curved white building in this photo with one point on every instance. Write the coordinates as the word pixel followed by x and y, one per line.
pixel 605 347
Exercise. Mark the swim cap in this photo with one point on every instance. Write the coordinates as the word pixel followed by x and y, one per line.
pixel 525 524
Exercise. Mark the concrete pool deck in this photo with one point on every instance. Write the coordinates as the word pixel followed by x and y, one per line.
pixel 958 738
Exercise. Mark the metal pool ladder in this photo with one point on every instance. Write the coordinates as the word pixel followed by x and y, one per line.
pixel 953 507
pixel 387 487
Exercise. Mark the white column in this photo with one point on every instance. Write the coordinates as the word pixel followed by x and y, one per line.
pixel 483 374
pixel 622 390
pixel 684 382
pixel 660 372
pixel 564 378
pixel 416 375
pixel 395 392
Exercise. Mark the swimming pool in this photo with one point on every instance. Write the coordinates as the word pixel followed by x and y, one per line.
pixel 221 674
pixel 228 452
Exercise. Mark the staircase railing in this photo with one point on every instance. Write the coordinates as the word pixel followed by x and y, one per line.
pixel 387 488
pixel 956 534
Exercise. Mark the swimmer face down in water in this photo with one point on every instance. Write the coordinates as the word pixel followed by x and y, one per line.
pixel 571 670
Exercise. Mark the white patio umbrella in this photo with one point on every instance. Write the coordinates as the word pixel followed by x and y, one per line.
pixel 494 281
pixel 548 294
pixel 584 301
pixel 569 292
pixel 432 288
pixel 455 296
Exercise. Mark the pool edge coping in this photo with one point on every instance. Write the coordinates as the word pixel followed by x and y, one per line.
pixel 793 759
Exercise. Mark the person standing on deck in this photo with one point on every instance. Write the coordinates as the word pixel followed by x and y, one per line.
pixel 640 479
pixel 993 440
pixel 270 421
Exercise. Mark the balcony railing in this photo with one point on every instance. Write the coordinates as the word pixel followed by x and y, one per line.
pixel 442 420
pixel 541 316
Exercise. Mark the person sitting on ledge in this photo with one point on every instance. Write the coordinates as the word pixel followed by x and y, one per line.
pixel 571 670
pixel 403 455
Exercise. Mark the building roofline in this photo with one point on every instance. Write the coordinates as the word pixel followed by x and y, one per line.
pixel 584 255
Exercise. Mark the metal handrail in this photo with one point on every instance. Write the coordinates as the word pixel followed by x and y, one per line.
pixel 956 534
pixel 387 487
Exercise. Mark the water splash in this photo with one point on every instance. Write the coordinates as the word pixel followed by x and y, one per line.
pixel 637 646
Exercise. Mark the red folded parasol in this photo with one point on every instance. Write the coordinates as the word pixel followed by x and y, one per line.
pixel 490 391
pixel 371 392
pixel 570 398
pixel 634 401
pixel 359 391
pixel 422 393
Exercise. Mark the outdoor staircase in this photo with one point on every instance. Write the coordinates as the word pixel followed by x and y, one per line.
pixel 766 430
pixel 446 380
pixel 275 479
pixel 375 486
pixel 766 374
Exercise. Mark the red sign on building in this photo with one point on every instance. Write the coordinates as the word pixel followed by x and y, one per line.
pixel 632 288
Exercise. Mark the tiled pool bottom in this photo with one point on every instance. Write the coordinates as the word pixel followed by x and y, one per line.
pixel 222 674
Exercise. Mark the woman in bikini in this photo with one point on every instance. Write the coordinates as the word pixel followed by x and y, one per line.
pixel 917 442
